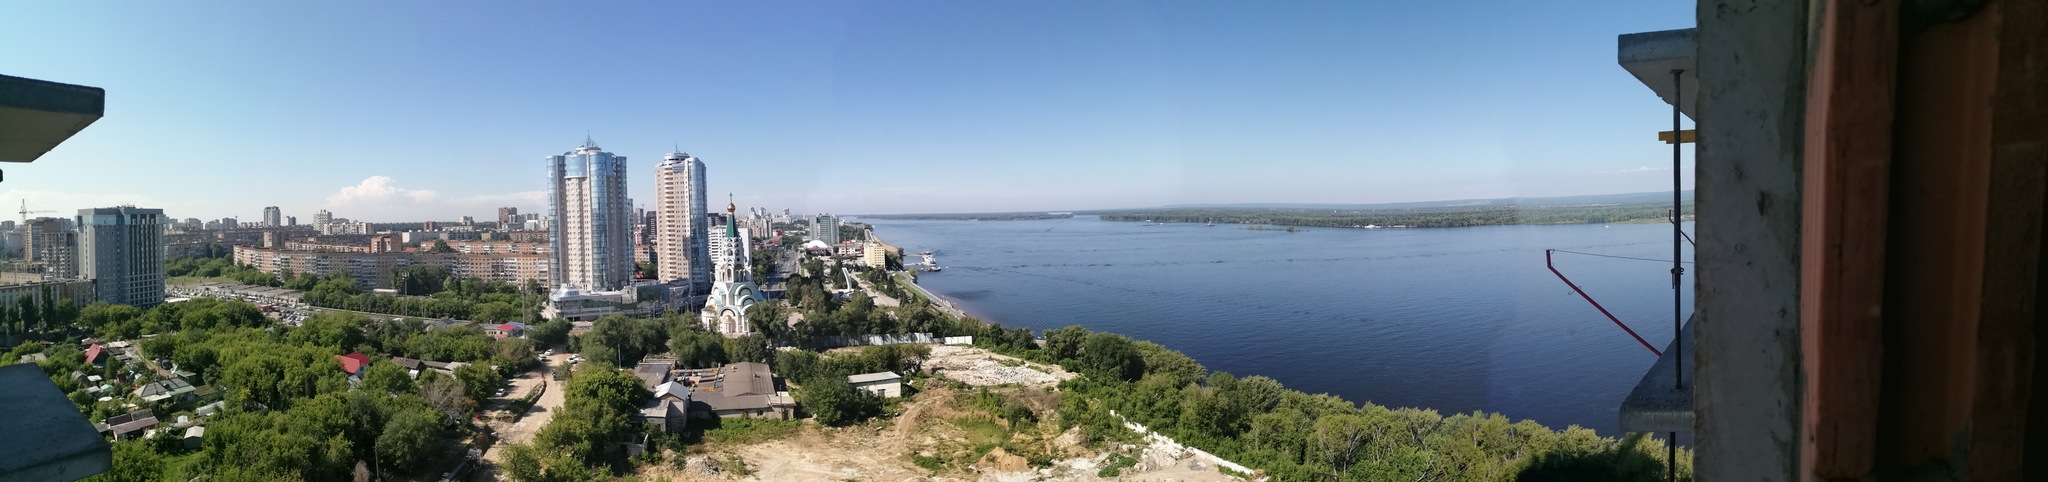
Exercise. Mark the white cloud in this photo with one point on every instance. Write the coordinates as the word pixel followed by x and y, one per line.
pixel 383 199
pixel 376 190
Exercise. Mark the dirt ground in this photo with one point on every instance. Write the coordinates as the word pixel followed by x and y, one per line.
pixel 523 429
pixel 929 425
pixel 978 367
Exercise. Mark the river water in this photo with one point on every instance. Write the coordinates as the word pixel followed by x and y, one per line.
pixel 1454 319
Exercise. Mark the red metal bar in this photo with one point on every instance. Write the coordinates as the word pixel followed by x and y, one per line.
pixel 1596 304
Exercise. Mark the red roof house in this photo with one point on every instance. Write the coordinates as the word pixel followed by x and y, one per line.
pixel 93 353
pixel 353 363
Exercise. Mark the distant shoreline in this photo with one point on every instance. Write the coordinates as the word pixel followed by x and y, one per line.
pixel 1429 217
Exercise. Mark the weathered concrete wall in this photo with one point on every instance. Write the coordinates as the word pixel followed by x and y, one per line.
pixel 1752 62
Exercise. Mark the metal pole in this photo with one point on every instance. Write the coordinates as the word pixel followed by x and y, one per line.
pixel 1596 305
pixel 1677 269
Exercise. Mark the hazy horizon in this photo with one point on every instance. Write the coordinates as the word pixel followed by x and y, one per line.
pixel 403 112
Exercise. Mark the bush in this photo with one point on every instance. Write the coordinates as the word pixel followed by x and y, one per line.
pixel 1117 464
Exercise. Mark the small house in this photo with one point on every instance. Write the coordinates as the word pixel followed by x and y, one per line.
pixel 740 390
pixel 173 388
pixel 507 330
pixel 353 363
pixel 669 409
pixel 128 425
pixel 882 384
pixel 654 372
pixel 193 436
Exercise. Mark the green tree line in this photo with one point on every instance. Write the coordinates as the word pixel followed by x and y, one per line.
pixel 1290 435
pixel 290 412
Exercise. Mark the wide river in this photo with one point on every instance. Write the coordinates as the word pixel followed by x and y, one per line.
pixel 1454 319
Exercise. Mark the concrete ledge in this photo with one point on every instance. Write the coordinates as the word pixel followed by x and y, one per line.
pixel 45 436
pixel 1651 56
pixel 36 115
pixel 1654 405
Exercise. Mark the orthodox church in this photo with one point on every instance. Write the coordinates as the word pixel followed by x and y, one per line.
pixel 732 290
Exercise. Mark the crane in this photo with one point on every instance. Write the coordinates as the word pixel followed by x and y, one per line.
pixel 25 212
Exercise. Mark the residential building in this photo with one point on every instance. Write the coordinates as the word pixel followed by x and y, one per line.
pixel 166 389
pixel 466 220
pixel 654 371
pixel 825 228
pixel 682 233
pixel 591 219
pixel 122 250
pixel 80 292
pixel 875 255
pixel 649 224
pixel 668 409
pixel 322 217
pixel 291 220
pixel 353 363
pixel 373 269
pixel 128 425
pixel 738 390
pixel 508 218
pixel 507 330
pixel 273 217
pixel 882 384
pixel 53 245
pixel 733 292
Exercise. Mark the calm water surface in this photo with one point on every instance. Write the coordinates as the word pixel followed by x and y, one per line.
pixel 1454 319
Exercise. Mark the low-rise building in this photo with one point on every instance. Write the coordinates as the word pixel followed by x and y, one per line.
pixel 506 330
pixel 79 292
pixel 194 436
pixel 739 390
pixel 353 363
pixel 128 425
pixel 669 409
pixel 654 372
pixel 173 388
pixel 875 254
pixel 882 384
pixel 570 303
pixel 505 262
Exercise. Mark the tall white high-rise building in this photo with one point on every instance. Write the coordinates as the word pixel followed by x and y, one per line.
pixel 681 232
pixel 273 217
pixel 322 217
pixel 590 220
pixel 122 250
pixel 825 228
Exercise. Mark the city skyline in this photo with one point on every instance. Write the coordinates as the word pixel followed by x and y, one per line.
pixel 861 108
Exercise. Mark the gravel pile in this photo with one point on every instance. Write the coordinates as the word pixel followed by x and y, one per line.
pixel 978 367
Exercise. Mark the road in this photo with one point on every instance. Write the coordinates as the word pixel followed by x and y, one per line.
pixel 523 429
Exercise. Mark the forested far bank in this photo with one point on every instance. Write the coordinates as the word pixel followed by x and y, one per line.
pixel 1417 217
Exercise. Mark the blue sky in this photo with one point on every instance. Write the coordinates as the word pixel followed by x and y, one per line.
pixel 429 110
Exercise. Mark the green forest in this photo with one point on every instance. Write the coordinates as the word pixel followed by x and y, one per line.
pixel 1444 217
pixel 288 412
pixel 423 291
